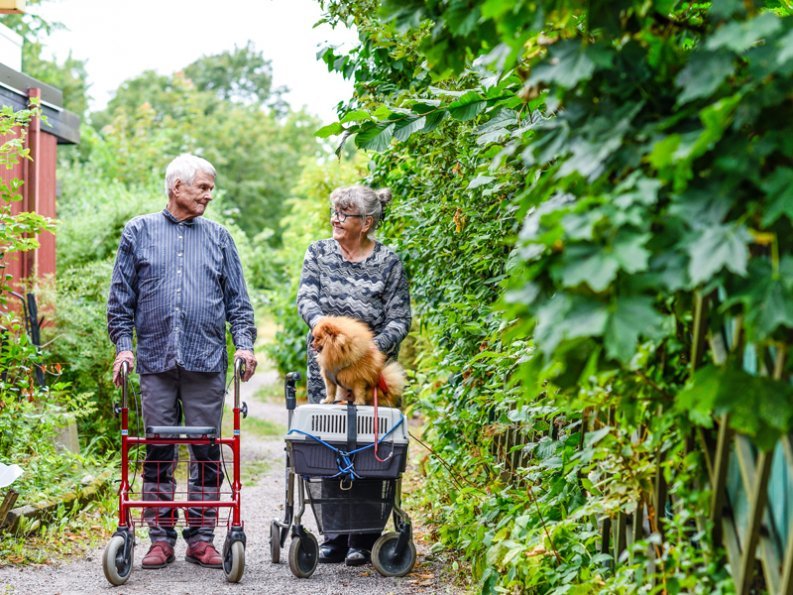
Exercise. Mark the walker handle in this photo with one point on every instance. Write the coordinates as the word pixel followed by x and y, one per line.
pixel 124 376
pixel 239 368
pixel 289 390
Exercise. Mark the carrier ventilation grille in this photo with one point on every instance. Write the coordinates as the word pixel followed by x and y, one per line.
pixel 337 424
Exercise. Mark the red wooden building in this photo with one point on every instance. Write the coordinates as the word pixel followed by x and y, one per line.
pixel 39 188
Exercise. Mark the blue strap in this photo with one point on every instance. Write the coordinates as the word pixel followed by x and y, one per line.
pixel 344 462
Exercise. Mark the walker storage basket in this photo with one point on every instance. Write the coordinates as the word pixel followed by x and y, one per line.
pixel 361 507
pixel 328 441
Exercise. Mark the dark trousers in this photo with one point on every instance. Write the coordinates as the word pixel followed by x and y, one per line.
pixel 166 398
pixel 363 541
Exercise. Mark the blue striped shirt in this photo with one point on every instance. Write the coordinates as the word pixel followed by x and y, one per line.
pixel 177 283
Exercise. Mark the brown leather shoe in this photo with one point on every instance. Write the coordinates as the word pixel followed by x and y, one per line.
pixel 204 554
pixel 160 554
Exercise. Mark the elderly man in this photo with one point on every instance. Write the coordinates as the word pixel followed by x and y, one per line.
pixel 177 280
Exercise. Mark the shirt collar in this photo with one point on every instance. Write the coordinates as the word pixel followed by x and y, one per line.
pixel 169 216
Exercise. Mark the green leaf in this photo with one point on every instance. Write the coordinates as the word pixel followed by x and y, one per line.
pixel 480 181
pixel 785 45
pixel 571 62
pixel 630 253
pixel 563 318
pixel 632 317
pixel 703 74
pixel 330 130
pixel 426 106
pixel 586 318
pixel 382 112
pixel 699 397
pixel 408 126
pixel 433 120
pixel 740 36
pixel 664 7
pixel 663 152
pixel 718 247
pixel 497 127
pixel 724 9
pixel 549 333
pixel 467 107
pixel 375 137
pixel 773 310
pixel 592 438
pixel 355 116
pixel 589 264
pixel 759 407
pixel 778 188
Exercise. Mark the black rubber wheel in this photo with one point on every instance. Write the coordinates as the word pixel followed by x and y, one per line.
pixel 303 555
pixel 275 542
pixel 234 562
pixel 116 563
pixel 389 562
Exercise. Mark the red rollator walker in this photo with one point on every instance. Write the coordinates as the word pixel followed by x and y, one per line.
pixel 118 557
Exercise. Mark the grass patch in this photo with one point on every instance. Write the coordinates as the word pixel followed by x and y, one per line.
pixel 270 393
pixel 265 330
pixel 261 428
pixel 252 471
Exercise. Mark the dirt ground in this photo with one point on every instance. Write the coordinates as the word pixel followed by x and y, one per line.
pixel 261 503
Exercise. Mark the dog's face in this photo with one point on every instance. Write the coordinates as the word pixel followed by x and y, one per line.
pixel 324 333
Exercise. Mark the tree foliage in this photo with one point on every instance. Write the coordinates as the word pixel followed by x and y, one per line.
pixel 598 168
pixel 70 76
pixel 235 121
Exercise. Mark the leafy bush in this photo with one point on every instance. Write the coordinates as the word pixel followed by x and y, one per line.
pixel 29 414
pixel 574 178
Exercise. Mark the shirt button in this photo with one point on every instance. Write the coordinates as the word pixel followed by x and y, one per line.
pixel 179 254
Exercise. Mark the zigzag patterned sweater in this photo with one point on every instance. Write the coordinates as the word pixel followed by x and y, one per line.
pixel 374 290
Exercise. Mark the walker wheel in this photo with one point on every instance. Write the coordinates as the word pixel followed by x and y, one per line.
pixel 234 562
pixel 389 562
pixel 275 542
pixel 117 563
pixel 303 555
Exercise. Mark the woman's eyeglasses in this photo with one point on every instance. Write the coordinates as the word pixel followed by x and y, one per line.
pixel 342 217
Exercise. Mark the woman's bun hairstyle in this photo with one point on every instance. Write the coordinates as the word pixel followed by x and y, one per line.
pixel 384 196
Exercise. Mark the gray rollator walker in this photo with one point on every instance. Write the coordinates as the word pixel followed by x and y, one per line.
pixel 334 462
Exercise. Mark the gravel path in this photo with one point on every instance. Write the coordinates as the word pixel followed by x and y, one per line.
pixel 260 504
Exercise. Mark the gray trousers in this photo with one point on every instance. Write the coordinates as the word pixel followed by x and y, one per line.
pixel 198 398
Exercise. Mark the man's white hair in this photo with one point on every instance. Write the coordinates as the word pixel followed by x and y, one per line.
pixel 185 168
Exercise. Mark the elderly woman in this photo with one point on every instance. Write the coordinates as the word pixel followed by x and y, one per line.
pixel 352 274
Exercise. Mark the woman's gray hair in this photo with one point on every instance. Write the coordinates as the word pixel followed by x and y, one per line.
pixel 185 168
pixel 364 200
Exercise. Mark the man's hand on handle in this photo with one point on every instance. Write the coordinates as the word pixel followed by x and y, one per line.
pixel 249 360
pixel 121 357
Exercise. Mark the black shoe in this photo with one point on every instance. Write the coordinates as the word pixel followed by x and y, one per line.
pixel 329 554
pixel 357 556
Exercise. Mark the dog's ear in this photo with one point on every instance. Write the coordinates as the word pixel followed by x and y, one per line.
pixel 331 330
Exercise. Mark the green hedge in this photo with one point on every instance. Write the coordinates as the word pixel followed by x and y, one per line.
pixel 571 177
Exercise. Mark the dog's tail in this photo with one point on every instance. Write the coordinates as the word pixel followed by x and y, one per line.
pixel 392 382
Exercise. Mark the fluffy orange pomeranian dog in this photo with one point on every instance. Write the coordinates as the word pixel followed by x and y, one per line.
pixel 349 358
